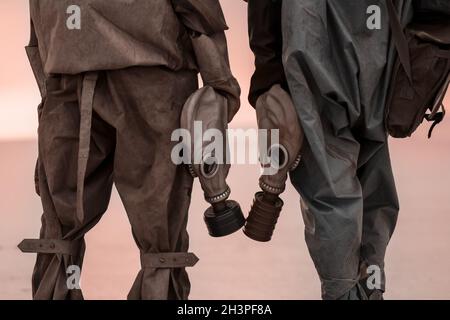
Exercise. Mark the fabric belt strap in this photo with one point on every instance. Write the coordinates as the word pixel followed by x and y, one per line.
pixel 168 260
pixel 399 37
pixel 49 246
pixel 86 109
pixel 32 51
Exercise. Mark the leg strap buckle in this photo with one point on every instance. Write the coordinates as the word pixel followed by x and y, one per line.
pixel 168 260
pixel 49 246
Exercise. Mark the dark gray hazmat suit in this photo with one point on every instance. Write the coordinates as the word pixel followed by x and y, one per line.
pixel 338 70
pixel 113 86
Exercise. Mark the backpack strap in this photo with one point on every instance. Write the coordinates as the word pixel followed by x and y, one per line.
pixel 437 118
pixel 401 43
pixel 435 115
pixel 90 80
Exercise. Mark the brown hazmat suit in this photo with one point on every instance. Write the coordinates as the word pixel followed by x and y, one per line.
pixel 113 92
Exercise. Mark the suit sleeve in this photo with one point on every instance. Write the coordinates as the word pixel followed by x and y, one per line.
pixel 264 19
pixel 206 24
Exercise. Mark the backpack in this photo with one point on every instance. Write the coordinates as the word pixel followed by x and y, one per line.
pixel 421 74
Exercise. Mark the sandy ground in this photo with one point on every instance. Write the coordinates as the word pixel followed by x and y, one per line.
pixel 418 259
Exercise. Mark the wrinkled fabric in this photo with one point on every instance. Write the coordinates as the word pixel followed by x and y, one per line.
pixel 155 192
pixel 338 73
pixel 206 26
pixel 214 66
pixel 112 94
pixel 266 42
pixel 113 35
pixel 440 6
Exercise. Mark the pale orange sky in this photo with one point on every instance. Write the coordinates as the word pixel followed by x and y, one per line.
pixel 19 96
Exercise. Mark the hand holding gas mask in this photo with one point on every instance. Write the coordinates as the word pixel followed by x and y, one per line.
pixel 275 111
pixel 211 108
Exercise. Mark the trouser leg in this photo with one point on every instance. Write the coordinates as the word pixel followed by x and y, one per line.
pixel 380 212
pixel 332 207
pixel 61 242
pixel 145 107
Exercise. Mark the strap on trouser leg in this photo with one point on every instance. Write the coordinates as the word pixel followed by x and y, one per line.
pixel 50 246
pixel 168 260
pixel 86 109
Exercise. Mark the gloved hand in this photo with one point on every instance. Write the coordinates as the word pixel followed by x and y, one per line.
pixel 275 111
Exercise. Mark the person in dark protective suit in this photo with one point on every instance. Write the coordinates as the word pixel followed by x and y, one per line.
pixel 337 72
pixel 114 84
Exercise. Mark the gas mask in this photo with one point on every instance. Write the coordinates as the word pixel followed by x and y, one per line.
pixel 205 117
pixel 275 111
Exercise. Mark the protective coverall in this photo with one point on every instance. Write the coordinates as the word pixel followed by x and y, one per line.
pixel 113 90
pixel 337 71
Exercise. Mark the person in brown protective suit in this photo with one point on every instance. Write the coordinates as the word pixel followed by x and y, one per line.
pixel 114 76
